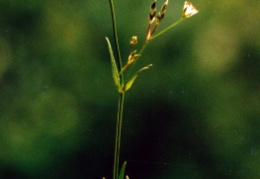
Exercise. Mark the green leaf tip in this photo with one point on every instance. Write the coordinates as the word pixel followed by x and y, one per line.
pixel 122 171
pixel 115 72
pixel 130 83
pixel 132 80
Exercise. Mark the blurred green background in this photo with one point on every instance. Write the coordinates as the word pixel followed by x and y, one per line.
pixel 194 114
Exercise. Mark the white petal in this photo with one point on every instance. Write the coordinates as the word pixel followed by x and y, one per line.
pixel 189 10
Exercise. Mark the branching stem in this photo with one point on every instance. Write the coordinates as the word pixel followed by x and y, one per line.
pixel 166 29
pixel 120 108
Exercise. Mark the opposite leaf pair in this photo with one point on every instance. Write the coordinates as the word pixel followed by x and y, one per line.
pixel 116 74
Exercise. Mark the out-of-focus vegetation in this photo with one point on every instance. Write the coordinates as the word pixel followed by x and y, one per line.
pixel 195 114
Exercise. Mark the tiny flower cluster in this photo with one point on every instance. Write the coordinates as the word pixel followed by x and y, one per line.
pixel 155 18
pixel 188 11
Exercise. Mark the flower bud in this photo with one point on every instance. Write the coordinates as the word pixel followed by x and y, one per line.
pixel 132 57
pixel 152 12
pixel 159 17
pixel 133 40
pixel 163 9
pixel 153 6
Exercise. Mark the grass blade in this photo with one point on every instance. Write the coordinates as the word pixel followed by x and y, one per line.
pixel 115 72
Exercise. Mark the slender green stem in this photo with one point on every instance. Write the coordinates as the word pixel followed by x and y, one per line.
pixel 158 34
pixel 143 48
pixel 118 134
pixel 120 100
pixel 141 51
pixel 119 122
pixel 166 29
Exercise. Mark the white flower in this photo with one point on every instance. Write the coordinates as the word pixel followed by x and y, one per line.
pixel 188 10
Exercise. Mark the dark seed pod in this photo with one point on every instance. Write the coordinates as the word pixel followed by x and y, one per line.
pixel 153 5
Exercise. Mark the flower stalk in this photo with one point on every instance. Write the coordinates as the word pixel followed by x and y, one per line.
pixel 166 29
pixel 118 69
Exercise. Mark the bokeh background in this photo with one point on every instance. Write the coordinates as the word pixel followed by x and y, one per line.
pixel 194 114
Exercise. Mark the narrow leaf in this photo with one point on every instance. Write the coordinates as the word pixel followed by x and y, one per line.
pixel 113 64
pixel 144 68
pixel 132 80
pixel 122 171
